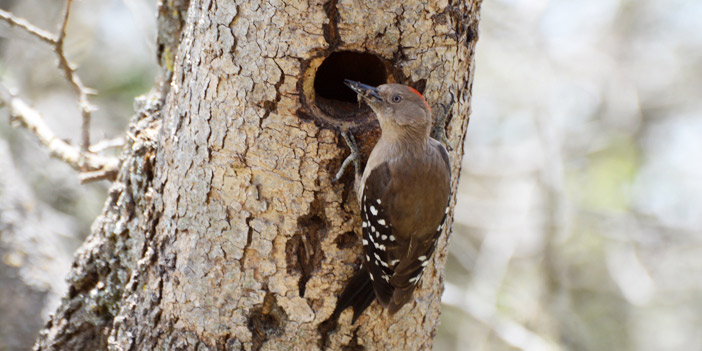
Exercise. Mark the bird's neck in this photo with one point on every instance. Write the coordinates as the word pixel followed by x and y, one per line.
pixel 412 141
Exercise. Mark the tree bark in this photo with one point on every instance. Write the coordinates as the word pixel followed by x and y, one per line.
pixel 224 229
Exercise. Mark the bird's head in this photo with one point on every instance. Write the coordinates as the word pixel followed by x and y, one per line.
pixel 399 108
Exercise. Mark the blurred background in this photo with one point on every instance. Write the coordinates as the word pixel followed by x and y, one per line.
pixel 579 216
pixel 45 213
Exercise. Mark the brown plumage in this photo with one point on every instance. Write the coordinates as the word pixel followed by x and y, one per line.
pixel 404 193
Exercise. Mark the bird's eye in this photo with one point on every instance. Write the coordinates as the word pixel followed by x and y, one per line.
pixel 396 98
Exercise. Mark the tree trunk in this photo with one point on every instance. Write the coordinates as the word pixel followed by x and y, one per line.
pixel 224 229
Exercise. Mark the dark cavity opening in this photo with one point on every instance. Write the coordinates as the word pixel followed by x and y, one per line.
pixel 335 98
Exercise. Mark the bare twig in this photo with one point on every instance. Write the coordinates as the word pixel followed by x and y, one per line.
pixel 21 113
pixel 56 41
pixel 81 159
pixel 105 144
pixel 62 27
pixel 28 27
pixel 71 76
pixel 87 177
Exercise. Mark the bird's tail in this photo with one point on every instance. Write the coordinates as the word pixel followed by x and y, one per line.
pixel 358 294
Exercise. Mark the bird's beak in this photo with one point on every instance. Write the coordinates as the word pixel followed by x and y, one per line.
pixel 366 91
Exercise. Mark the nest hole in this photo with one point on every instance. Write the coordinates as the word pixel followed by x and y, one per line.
pixel 332 96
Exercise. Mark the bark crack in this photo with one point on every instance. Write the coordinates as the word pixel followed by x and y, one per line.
pixel 272 105
pixel 304 250
pixel 330 29
pixel 265 321
pixel 399 54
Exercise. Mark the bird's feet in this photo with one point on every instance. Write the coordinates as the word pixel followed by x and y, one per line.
pixel 438 132
pixel 354 157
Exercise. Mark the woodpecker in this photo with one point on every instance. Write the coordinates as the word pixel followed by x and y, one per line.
pixel 403 193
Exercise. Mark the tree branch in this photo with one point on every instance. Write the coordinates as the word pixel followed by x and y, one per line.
pixel 56 41
pixel 28 27
pixel 82 160
pixel 22 114
pixel 71 76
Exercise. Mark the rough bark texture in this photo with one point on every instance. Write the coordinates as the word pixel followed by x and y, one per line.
pixel 224 230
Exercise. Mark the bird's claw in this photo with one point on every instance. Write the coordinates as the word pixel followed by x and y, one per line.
pixel 354 157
